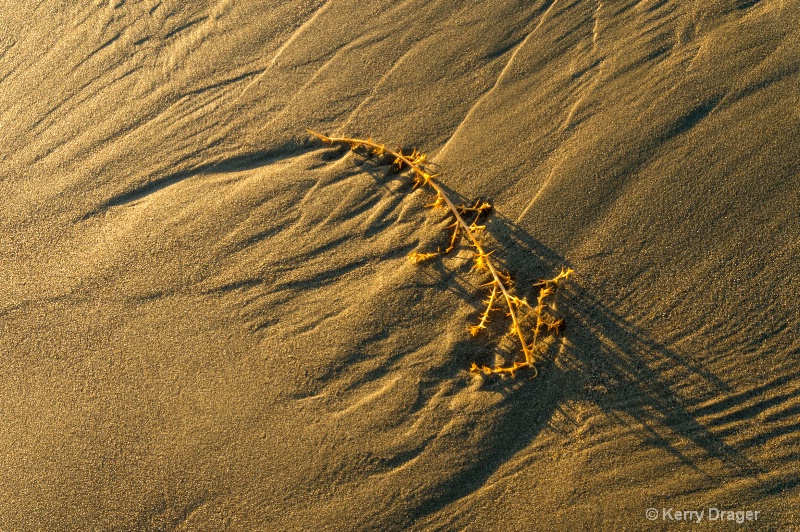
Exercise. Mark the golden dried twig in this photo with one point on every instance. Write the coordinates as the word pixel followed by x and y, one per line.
pixel 416 257
pixel 500 283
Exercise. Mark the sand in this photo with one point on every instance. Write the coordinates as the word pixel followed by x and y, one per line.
pixel 208 321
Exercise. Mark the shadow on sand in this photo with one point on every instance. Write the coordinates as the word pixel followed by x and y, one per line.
pixel 609 361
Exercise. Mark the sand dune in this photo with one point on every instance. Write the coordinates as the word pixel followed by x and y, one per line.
pixel 208 320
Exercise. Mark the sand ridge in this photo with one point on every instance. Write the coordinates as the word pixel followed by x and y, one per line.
pixel 208 321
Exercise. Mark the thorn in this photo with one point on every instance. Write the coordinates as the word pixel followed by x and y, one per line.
pixel 481 261
pixel 438 202
pixel 475 329
pixel 480 208
pixel 415 257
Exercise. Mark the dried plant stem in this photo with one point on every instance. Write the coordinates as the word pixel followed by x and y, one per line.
pixel 482 259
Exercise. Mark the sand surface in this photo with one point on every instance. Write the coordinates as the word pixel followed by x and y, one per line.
pixel 208 321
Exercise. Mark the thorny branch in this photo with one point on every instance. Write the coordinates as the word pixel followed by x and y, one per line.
pixel 500 282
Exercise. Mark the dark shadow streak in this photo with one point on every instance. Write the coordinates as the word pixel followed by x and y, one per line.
pixel 611 362
pixel 249 161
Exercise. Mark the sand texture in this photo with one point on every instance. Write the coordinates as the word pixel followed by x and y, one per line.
pixel 208 320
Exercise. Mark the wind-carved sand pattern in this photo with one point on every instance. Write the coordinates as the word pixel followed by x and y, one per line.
pixel 500 284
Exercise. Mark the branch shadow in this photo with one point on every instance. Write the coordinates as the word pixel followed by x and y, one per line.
pixel 611 362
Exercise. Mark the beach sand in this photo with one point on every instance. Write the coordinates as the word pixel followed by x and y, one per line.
pixel 208 320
